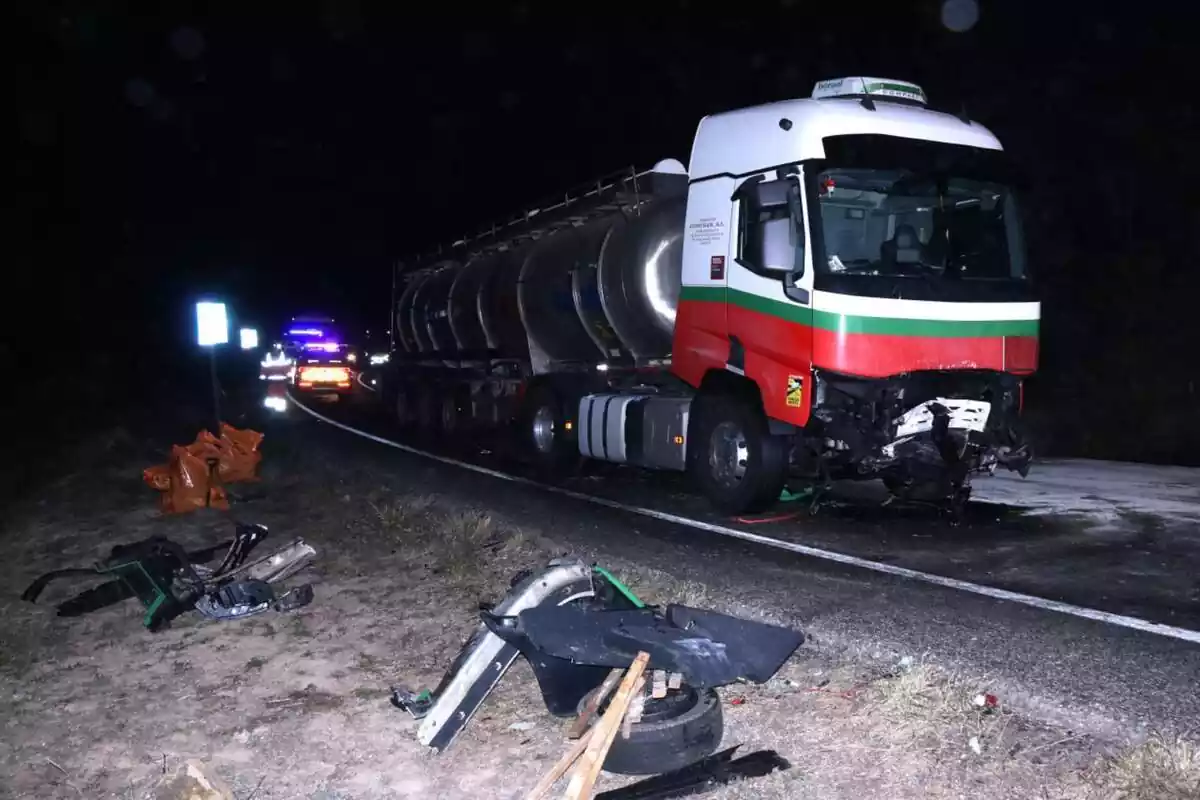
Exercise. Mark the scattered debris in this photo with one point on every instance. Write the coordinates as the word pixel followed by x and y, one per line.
pixel 192 782
pixel 575 624
pixel 578 626
pixel 986 701
pixel 703 776
pixel 196 474
pixel 603 733
pixel 170 581
pixel 417 704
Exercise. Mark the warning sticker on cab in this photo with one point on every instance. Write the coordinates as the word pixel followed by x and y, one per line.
pixel 795 391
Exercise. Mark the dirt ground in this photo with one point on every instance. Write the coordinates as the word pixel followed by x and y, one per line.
pixel 296 705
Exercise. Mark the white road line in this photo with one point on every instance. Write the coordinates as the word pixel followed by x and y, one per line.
pixel 1133 623
pixel 358 377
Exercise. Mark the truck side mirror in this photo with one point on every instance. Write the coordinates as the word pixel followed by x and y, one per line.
pixel 779 250
pixel 772 232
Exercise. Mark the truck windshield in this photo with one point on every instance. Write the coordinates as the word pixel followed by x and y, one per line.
pixel 923 224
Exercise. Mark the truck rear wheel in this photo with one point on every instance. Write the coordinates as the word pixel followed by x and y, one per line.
pixel 405 412
pixel 545 429
pixel 427 414
pixel 451 413
pixel 738 465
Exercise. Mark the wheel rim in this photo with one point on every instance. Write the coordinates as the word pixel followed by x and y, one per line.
pixel 543 430
pixel 728 454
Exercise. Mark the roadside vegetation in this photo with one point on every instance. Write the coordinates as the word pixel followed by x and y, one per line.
pixel 296 706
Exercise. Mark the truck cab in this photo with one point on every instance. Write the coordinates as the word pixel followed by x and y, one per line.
pixel 858 259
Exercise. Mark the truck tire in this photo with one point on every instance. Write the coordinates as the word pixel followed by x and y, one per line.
pixel 404 406
pixel 544 429
pixel 674 732
pixel 427 414
pixel 451 418
pixel 737 464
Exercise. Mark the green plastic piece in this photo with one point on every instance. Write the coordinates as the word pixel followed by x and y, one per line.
pixel 620 587
pixel 790 497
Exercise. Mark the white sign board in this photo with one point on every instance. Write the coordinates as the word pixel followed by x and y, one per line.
pixel 212 324
pixel 249 338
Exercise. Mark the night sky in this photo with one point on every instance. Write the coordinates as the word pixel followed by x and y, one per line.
pixel 284 158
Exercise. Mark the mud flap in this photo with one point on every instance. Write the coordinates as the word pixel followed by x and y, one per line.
pixel 485 657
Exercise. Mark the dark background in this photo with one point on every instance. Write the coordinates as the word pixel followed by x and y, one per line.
pixel 282 157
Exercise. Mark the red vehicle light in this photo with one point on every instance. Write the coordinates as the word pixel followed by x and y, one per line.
pixel 311 375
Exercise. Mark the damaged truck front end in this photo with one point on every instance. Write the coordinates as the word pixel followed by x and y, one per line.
pixel 925 322
pixel 924 434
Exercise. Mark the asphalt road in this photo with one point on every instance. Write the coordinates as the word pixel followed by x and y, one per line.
pixel 1088 675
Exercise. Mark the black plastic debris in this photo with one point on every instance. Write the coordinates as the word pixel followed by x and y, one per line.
pixel 170 581
pixel 246 598
pixel 704 776
pixel 710 649
pixel 417 704
pixel 574 623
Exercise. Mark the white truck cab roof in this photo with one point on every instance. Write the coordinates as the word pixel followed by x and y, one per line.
pixel 747 140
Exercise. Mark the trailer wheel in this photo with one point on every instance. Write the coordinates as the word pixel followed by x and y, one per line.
pixel 405 412
pixel 428 411
pixel 739 466
pixel 451 413
pixel 544 426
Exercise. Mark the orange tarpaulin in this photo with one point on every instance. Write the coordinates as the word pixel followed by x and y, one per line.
pixel 196 474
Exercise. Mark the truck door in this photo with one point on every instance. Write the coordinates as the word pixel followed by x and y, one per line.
pixel 769 297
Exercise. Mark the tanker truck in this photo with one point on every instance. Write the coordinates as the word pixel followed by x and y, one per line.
pixel 834 287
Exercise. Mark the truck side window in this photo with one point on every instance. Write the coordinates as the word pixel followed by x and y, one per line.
pixel 770 233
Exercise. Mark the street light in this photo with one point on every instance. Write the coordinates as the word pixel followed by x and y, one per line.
pixel 248 338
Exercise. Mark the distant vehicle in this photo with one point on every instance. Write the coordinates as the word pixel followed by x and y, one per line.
pixel 316 338
pixel 324 378
pixel 321 364
pixel 835 287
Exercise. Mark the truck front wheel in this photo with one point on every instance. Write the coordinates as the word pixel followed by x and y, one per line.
pixel 738 465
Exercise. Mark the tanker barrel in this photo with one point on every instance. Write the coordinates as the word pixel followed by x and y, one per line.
pixel 640 273
pixel 499 309
pixel 547 303
pixel 403 323
pixel 419 313
pixel 465 319
pixel 585 288
pixel 437 311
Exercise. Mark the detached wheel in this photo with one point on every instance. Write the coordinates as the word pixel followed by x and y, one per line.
pixel 677 730
pixel 737 464
pixel 545 430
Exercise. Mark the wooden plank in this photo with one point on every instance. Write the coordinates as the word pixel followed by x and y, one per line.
pixel 560 768
pixel 588 768
pixel 581 722
pixel 634 712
